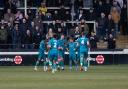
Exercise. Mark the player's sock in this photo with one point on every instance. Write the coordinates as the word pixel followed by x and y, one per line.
pixel 81 61
pixel 85 68
pixel 35 68
pixel 37 63
pixel 54 67
pixel 76 67
pixel 70 68
pixel 62 68
pixel 53 71
pixel 45 68
pixel 70 64
pixel 62 65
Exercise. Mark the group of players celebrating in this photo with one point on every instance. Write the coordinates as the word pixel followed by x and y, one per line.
pixel 56 49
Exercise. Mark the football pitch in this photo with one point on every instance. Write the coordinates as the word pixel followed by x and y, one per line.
pixel 97 77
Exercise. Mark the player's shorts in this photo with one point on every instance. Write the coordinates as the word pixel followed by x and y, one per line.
pixel 41 55
pixel 53 56
pixel 61 53
pixel 72 57
pixel 84 55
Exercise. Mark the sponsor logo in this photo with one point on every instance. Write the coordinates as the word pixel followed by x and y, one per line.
pixel 6 59
pixel 16 59
pixel 100 59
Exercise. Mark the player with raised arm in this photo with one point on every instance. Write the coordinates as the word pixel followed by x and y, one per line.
pixel 53 48
pixel 83 43
pixel 41 55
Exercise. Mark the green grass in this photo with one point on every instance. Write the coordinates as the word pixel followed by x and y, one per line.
pixel 97 77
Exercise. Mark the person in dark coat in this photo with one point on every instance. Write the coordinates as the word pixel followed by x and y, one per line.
pixel 93 41
pixel 111 42
pixel 68 16
pixel 109 26
pixel 16 37
pixel 56 16
pixel 76 33
pixel 78 4
pixel 91 16
pixel 54 26
pixel 28 40
pixel 37 36
pixel 101 27
pixel 80 16
pixel 9 31
pixel 3 37
pixel 10 5
pixel 23 26
pixel 62 13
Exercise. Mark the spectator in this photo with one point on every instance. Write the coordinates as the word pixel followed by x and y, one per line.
pixel 77 33
pixel 32 28
pixel 84 27
pixel 111 42
pixel 53 26
pixel 16 37
pixel 78 4
pixel 80 16
pixel 67 16
pixel 18 15
pixel 9 15
pixel 2 23
pixel 93 40
pixel 37 36
pixel 48 17
pixel 31 14
pixel 115 12
pixel 56 16
pixel 1 15
pixel 28 20
pixel 109 26
pixel 43 10
pixel 62 13
pixel 10 5
pixel 101 27
pixel 23 26
pixel 9 32
pixel 37 20
pixel 3 36
pixel 124 19
pixel 91 16
pixel 107 6
pixel 49 34
pixel 99 8
pixel 28 40
pixel 60 31
pixel 64 28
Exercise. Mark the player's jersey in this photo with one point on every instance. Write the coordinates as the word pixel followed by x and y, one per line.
pixel 53 43
pixel 61 43
pixel 83 47
pixel 72 48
